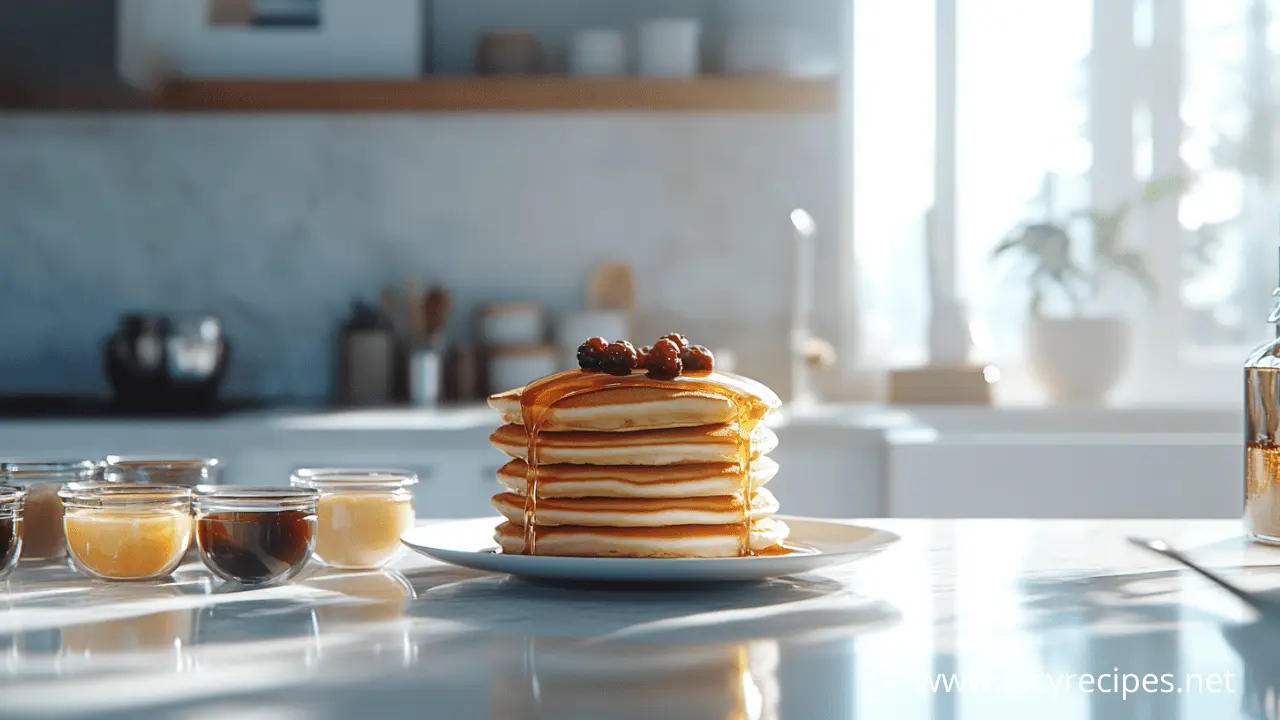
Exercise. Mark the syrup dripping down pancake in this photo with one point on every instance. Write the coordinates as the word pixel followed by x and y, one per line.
pixel 638 512
pixel 672 446
pixel 638 404
pixel 637 481
pixel 698 541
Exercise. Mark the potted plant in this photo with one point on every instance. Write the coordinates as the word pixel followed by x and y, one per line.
pixel 1078 356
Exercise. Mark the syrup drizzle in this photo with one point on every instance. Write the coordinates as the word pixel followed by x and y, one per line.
pixel 751 402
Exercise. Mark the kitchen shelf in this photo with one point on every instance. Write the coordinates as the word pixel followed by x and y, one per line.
pixel 546 94
pixel 105 98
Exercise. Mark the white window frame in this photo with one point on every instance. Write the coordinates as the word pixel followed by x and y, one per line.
pixel 1125 79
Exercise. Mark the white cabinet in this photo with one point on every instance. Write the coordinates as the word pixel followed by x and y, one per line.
pixel 451 483
pixel 1047 475
pixel 456 469
pixel 828 471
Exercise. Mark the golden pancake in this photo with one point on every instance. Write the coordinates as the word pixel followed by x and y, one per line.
pixel 637 512
pixel 621 481
pixel 705 541
pixel 636 403
pixel 672 446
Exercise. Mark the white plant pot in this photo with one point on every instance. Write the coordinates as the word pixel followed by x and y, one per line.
pixel 1078 360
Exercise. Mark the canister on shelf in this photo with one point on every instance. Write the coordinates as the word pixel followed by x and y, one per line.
pixel 510 323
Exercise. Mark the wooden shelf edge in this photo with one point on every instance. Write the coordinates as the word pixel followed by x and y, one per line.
pixel 114 98
pixel 509 94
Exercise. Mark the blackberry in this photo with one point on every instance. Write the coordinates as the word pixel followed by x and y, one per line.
pixel 681 341
pixel 663 361
pixel 591 352
pixel 619 358
pixel 697 358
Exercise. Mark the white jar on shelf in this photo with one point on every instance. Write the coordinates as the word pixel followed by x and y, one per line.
pixel 669 47
pixel 599 52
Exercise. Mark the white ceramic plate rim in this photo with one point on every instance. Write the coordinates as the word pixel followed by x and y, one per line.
pixel 469 543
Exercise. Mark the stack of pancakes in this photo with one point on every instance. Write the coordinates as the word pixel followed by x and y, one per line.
pixel 643 469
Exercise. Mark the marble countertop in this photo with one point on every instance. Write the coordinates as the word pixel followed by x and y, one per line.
pixel 1020 610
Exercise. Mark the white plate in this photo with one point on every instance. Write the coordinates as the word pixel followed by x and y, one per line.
pixel 470 544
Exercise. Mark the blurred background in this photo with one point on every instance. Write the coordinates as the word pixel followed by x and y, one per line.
pixel 1014 216
pixel 134 186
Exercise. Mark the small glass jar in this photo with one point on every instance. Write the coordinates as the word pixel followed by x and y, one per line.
pixel 42 534
pixel 11 501
pixel 126 531
pixel 361 514
pixel 255 535
pixel 161 470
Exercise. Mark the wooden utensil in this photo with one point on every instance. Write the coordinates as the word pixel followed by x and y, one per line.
pixel 416 312
pixel 389 301
pixel 612 287
pixel 435 311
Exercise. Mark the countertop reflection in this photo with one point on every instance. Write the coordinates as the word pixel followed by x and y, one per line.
pixel 1017 610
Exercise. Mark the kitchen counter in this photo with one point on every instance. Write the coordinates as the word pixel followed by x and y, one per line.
pixel 1013 607
pixel 838 460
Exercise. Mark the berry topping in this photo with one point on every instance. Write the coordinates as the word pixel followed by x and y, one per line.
pixel 663 361
pixel 591 353
pixel 619 358
pixel 642 356
pixel 681 341
pixel 697 358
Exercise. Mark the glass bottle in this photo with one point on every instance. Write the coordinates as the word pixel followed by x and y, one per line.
pixel 1262 437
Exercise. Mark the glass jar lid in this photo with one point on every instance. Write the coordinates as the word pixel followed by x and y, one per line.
pixel 124 495
pixel 11 497
pixel 161 463
pixel 25 472
pixel 166 470
pixel 249 498
pixel 352 479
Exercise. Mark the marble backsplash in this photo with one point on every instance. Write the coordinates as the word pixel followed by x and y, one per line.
pixel 277 223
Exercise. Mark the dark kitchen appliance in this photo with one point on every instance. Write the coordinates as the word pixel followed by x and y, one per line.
pixel 367 347
pixel 154 363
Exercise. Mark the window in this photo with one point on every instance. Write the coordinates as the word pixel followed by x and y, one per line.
pixel 1065 106
pixel 893 113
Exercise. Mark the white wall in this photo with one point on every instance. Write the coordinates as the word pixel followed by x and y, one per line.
pixel 276 223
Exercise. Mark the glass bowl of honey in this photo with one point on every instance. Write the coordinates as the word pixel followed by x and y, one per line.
pixel 126 531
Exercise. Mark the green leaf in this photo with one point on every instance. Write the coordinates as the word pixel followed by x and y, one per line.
pixel 1017 238
pixel 1169 186
pixel 1132 264
pixel 1107 228
pixel 1048 243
